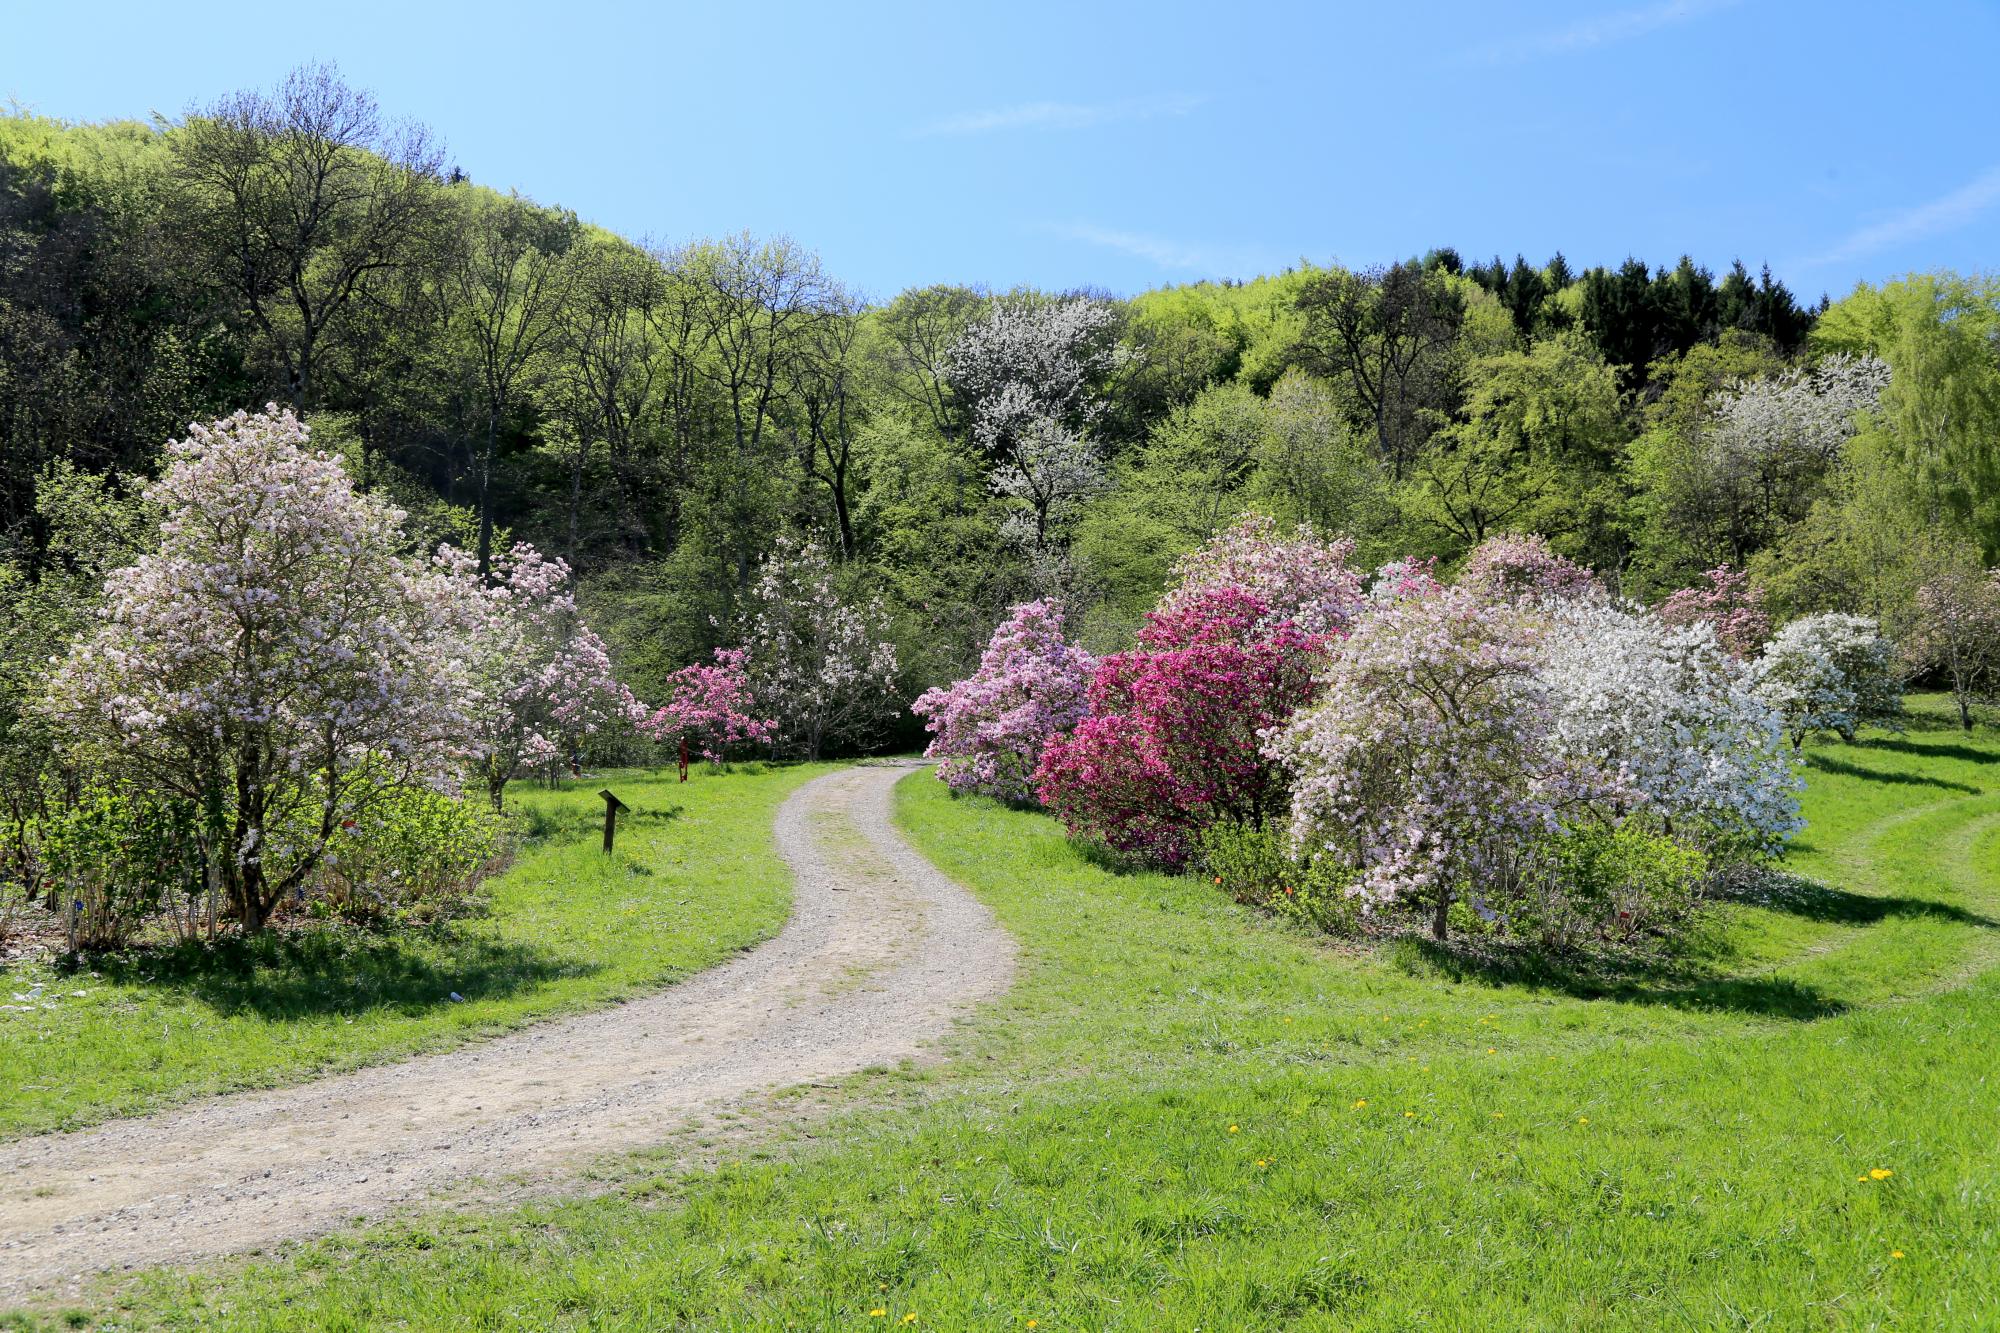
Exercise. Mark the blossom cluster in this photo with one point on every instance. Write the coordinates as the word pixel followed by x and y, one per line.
pixel 1727 603
pixel 1830 672
pixel 990 728
pixel 711 707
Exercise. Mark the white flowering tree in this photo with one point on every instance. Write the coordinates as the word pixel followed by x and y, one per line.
pixel 821 664
pixel 1026 373
pixel 542 679
pixel 1830 672
pixel 277 660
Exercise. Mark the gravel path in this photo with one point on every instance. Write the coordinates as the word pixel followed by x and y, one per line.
pixel 881 953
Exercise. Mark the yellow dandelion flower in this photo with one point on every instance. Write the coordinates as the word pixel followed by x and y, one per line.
pixel 877 1313
pixel 1232 1129
pixel 1861 1177
pixel 1425 1070
pixel 1498 1114
pixel 910 1318
pixel 1263 1161
pixel 1895 1254
pixel 1880 1173
pixel 1409 1115
pixel 1583 1120
pixel 1493 1050
pixel 1361 1102
pixel 1288 1018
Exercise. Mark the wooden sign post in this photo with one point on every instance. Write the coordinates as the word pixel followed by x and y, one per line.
pixel 612 805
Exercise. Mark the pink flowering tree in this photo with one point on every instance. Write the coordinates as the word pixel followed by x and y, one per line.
pixel 542 679
pixel 820 659
pixel 1727 603
pixel 1429 767
pixel 711 708
pixel 1302 579
pixel 1174 740
pixel 1955 631
pixel 1514 567
pixel 988 730
pixel 277 661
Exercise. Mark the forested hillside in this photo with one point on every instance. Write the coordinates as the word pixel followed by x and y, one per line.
pixel 662 414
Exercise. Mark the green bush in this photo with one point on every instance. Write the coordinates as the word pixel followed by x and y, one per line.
pixel 1256 865
pixel 116 858
pixel 411 850
pixel 1622 886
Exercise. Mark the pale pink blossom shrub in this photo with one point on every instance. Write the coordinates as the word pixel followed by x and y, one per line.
pixel 1515 567
pixel 820 660
pixel 1429 769
pixel 711 707
pixel 1727 603
pixel 988 730
pixel 542 679
pixel 1302 579
pixel 277 661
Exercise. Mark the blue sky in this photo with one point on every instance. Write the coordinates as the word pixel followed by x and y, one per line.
pixel 1128 145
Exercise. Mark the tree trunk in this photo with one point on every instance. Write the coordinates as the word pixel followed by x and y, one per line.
pixel 1440 919
pixel 486 497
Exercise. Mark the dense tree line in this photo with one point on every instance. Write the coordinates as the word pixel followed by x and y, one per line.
pixel 663 416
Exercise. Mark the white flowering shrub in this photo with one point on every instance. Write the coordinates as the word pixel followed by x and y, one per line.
pixel 1668 714
pixel 1830 672
pixel 820 661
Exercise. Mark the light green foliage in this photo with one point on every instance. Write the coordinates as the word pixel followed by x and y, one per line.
pixel 1537 452
pixel 1674 1150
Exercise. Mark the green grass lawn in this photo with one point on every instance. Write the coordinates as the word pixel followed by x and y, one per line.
pixel 1188 1116
pixel 695 878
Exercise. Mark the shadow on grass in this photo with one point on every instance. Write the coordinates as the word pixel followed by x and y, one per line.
pixel 314 973
pixel 1798 896
pixel 1971 754
pixel 541 824
pixel 1612 977
pixel 1845 768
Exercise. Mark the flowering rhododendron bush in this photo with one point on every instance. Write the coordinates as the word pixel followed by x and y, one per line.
pixel 1174 739
pixel 1430 765
pixel 1468 749
pixel 1513 567
pixel 711 708
pixel 989 729
pixel 1830 672
pixel 1727 603
pixel 1301 579
pixel 542 679
pixel 277 662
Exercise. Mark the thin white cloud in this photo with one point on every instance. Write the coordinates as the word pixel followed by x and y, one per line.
pixel 1060 115
pixel 1179 256
pixel 1946 213
pixel 1604 30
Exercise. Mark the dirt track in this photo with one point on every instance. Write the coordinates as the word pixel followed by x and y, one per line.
pixel 881 953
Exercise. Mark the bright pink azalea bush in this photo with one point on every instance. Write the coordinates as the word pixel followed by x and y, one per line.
pixel 1174 740
pixel 989 729
pixel 1516 567
pixel 711 708
pixel 1728 604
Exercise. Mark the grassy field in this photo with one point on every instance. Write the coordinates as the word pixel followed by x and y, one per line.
pixel 695 877
pixel 1188 1116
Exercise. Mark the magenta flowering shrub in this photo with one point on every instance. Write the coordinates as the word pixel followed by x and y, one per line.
pixel 1303 579
pixel 1728 604
pixel 989 729
pixel 1174 740
pixel 711 708
pixel 1430 765
pixel 1516 567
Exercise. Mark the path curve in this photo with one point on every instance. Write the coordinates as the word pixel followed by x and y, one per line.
pixel 881 953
